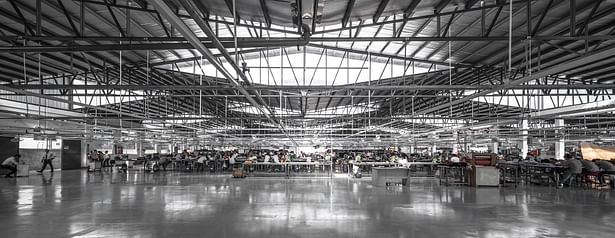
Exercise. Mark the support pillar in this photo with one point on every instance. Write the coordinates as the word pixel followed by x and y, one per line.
pixel 433 149
pixel 139 147
pixel 455 142
pixel 524 134
pixel 494 147
pixel 560 148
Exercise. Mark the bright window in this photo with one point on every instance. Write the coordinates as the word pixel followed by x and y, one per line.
pixel 31 143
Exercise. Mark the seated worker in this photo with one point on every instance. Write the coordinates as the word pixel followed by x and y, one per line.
pixel 606 169
pixel 10 163
pixel 357 158
pixel 276 158
pixel 200 163
pixel 589 168
pixel 454 159
pixel 164 161
pixel 403 162
pixel 267 158
pixel 575 167
pixel 211 158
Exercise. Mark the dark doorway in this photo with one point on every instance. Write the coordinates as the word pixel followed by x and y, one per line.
pixel 71 154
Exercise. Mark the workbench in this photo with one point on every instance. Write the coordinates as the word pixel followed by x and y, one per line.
pixel 453 174
pixel 383 176
pixel 366 167
pixel 421 169
pixel 289 169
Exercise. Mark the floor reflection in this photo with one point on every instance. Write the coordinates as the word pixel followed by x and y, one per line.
pixel 135 204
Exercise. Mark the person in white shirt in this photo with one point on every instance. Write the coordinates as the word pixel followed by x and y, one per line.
pixel 231 160
pixel 46 160
pixel 403 162
pixel 10 163
pixel 267 158
pixel 454 159
pixel 200 163
pixel 106 159
pixel 276 159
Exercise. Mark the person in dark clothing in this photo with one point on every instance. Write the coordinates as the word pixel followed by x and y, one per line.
pixel 589 168
pixel 46 160
pixel 575 167
pixel 11 164
pixel 164 162
pixel 607 169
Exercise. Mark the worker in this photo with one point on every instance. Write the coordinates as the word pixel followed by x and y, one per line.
pixel 575 167
pixel 393 158
pixel 100 156
pixel 46 160
pixel 10 163
pixel 276 158
pixel 211 158
pixel 267 158
pixel 328 157
pixel 590 168
pixel 106 159
pixel 454 159
pixel 403 161
pixel 357 158
pixel 607 169
pixel 232 159
pixel 164 162
pixel 200 163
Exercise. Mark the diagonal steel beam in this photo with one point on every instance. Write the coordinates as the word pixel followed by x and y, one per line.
pixel 347 13
pixel 470 3
pixel 265 13
pixel 577 62
pixel 381 7
pixel 229 4
pixel 189 34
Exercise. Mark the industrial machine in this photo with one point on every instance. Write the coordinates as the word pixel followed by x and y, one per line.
pixel 486 159
pixel 483 171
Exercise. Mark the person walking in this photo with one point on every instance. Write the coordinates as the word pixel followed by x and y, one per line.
pixel 10 163
pixel 46 160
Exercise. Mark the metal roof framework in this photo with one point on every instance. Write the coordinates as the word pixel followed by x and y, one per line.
pixel 407 68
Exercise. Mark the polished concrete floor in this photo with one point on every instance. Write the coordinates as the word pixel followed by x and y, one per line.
pixel 80 204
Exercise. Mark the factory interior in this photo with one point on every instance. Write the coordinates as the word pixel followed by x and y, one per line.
pixel 307 118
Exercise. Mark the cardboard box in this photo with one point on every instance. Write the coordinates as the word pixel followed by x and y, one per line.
pixel 23 170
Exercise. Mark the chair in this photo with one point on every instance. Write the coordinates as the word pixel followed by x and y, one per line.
pixel 590 179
